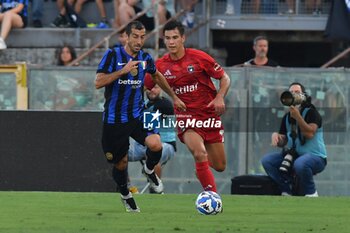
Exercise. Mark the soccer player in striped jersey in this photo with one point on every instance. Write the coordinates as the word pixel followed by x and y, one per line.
pixel 189 72
pixel 121 71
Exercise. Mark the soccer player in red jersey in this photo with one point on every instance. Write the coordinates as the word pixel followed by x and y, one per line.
pixel 189 72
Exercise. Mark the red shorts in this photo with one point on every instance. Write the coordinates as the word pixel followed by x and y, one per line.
pixel 209 135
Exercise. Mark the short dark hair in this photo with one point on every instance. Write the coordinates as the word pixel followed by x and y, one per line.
pixel 173 24
pixel 299 84
pixel 256 39
pixel 134 25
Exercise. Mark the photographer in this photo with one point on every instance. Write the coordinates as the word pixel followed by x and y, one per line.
pixel 301 131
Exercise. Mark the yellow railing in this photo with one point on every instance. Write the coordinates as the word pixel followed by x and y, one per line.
pixel 20 71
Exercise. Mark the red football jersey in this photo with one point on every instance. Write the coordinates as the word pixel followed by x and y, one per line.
pixel 190 78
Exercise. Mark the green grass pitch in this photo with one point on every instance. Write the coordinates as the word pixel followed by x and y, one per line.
pixel 59 212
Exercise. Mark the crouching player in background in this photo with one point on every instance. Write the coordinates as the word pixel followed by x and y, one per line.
pixel 137 152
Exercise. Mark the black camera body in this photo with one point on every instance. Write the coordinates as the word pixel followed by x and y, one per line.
pixel 288 158
pixel 288 98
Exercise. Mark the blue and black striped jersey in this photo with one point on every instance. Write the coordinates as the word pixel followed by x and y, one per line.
pixel 124 97
pixel 9 4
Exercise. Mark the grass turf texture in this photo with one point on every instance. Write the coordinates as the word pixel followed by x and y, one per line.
pixel 51 212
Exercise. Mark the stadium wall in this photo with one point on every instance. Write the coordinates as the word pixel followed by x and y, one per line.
pixel 52 151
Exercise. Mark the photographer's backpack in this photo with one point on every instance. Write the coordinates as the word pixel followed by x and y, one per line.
pixel 254 185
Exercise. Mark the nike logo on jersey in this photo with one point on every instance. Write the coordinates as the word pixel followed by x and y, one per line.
pixel 121 63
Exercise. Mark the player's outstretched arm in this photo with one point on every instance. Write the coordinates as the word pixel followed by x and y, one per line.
pixel 159 79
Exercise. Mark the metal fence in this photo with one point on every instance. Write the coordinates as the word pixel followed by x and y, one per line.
pixel 272 7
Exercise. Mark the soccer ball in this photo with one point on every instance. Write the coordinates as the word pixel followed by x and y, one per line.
pixel 209 203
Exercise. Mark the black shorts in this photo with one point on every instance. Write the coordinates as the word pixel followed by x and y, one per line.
pixel 115 138
pixel 148 22
pixel 25 21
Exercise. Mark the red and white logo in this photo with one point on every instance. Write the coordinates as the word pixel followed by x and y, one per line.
pixel 167 74
pixel 217 67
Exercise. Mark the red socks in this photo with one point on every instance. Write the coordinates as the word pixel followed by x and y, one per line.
pixel 205 176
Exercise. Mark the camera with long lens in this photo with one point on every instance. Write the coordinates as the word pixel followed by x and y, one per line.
pixel 288 98
pixel 288 160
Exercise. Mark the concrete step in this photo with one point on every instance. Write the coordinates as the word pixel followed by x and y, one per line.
pixel 48 56
pixel 44 56
pixel 56 37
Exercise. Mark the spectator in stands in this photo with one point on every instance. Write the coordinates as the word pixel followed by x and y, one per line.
pixel 261 48
pixel 101 8
pixel 255 6
pixel 66 55
pixel 63 21
pixel 233 7
pixel 313 6
pixel 37 13
pixel 14 14
pixel 301 130
pixel 137 152
pixel 189 7
pixel 124 10
pixel 127 9
pixel 264 6
pixel 165 9
pixel 122 37
pixel 291 6
pixel 68 89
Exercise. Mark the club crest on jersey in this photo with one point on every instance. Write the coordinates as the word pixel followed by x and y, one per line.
pixel 190 68
pixel 109 156
pixel 134 72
